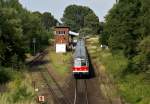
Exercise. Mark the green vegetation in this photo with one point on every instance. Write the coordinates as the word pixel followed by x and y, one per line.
pixel 60 62
pixel 48 20
pixel 127 29
pixel 17 91
pixel 47 77
pixel 4 76
pixel 127 33
pixel 18 28
pixel 80 17
pixel 134 88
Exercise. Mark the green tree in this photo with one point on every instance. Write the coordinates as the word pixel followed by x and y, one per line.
pixel 85 31
pixel 48 20
pixel 11 35
pixel 127 29
pixel 92 21
pixel 144 18
pixel 122 26
pixel 33 28
pixel 18 27
pixel 4 75
pixel 77 17
pixel 40 28
pixel 141 61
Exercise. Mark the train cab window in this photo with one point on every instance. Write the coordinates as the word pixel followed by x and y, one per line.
pixel 77 63
pixel 83 63
pixel 80 62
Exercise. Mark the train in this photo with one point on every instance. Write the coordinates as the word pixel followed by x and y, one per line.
pixel 80 60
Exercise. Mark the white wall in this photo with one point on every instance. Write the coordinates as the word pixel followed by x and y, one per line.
pixel 60 48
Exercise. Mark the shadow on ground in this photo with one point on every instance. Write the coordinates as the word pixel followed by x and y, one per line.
pixel 39 63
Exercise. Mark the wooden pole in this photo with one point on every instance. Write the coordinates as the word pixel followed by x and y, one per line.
pixel 116 1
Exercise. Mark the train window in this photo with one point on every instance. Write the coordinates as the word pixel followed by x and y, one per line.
pixel 80 62
pixel 83 63
pixel 77 63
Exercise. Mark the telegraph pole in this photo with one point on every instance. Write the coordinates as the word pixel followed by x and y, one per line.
pixel 116 1
pixel 34 43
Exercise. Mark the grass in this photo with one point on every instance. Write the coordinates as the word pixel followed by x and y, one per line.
pixel 132 87
pixel 47 77
pixel 19 90
pixel 60 62
pixel 114 64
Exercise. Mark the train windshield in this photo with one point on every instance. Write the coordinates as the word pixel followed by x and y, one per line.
pixel 83 63
pixel 80 62
pixel 77 63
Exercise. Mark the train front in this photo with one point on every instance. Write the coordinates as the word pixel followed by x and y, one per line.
pixel 81 67
pixel 80 64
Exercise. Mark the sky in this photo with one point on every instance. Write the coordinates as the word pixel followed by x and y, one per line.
pixel 57 7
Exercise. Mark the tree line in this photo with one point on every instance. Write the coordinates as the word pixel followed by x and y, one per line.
pixel 18 27
pixel 127 29
pixel 81 19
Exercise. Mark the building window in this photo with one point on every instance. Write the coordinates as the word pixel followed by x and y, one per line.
pixel 60 32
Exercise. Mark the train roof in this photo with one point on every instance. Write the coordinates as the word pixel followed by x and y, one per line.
pixel 80 51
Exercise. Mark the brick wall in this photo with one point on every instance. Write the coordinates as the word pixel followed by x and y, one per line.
pixel 61 35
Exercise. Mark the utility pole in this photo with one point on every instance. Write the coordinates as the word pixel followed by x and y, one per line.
pixel 116 1
pixel 34 43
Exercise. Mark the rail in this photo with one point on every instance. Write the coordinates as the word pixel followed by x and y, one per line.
pixel 54 92
pixel 81 94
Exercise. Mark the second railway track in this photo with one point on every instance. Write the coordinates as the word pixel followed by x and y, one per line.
pixel 54 90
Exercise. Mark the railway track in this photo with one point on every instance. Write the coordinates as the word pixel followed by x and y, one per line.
pixel 81 94
pixel 58 90
pixel 35 61
pixel 54 89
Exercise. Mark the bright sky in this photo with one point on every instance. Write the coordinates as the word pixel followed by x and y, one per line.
pixel 57 7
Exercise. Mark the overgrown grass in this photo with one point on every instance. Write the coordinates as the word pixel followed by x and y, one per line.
pixel 47 77
pixel 19 90
pixel 135 89
pixel 132 87
pixel 114 64
pixel 60 62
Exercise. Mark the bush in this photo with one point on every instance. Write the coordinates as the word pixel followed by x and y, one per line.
pixel 4 75
pixel 22 94
pixel 85 31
